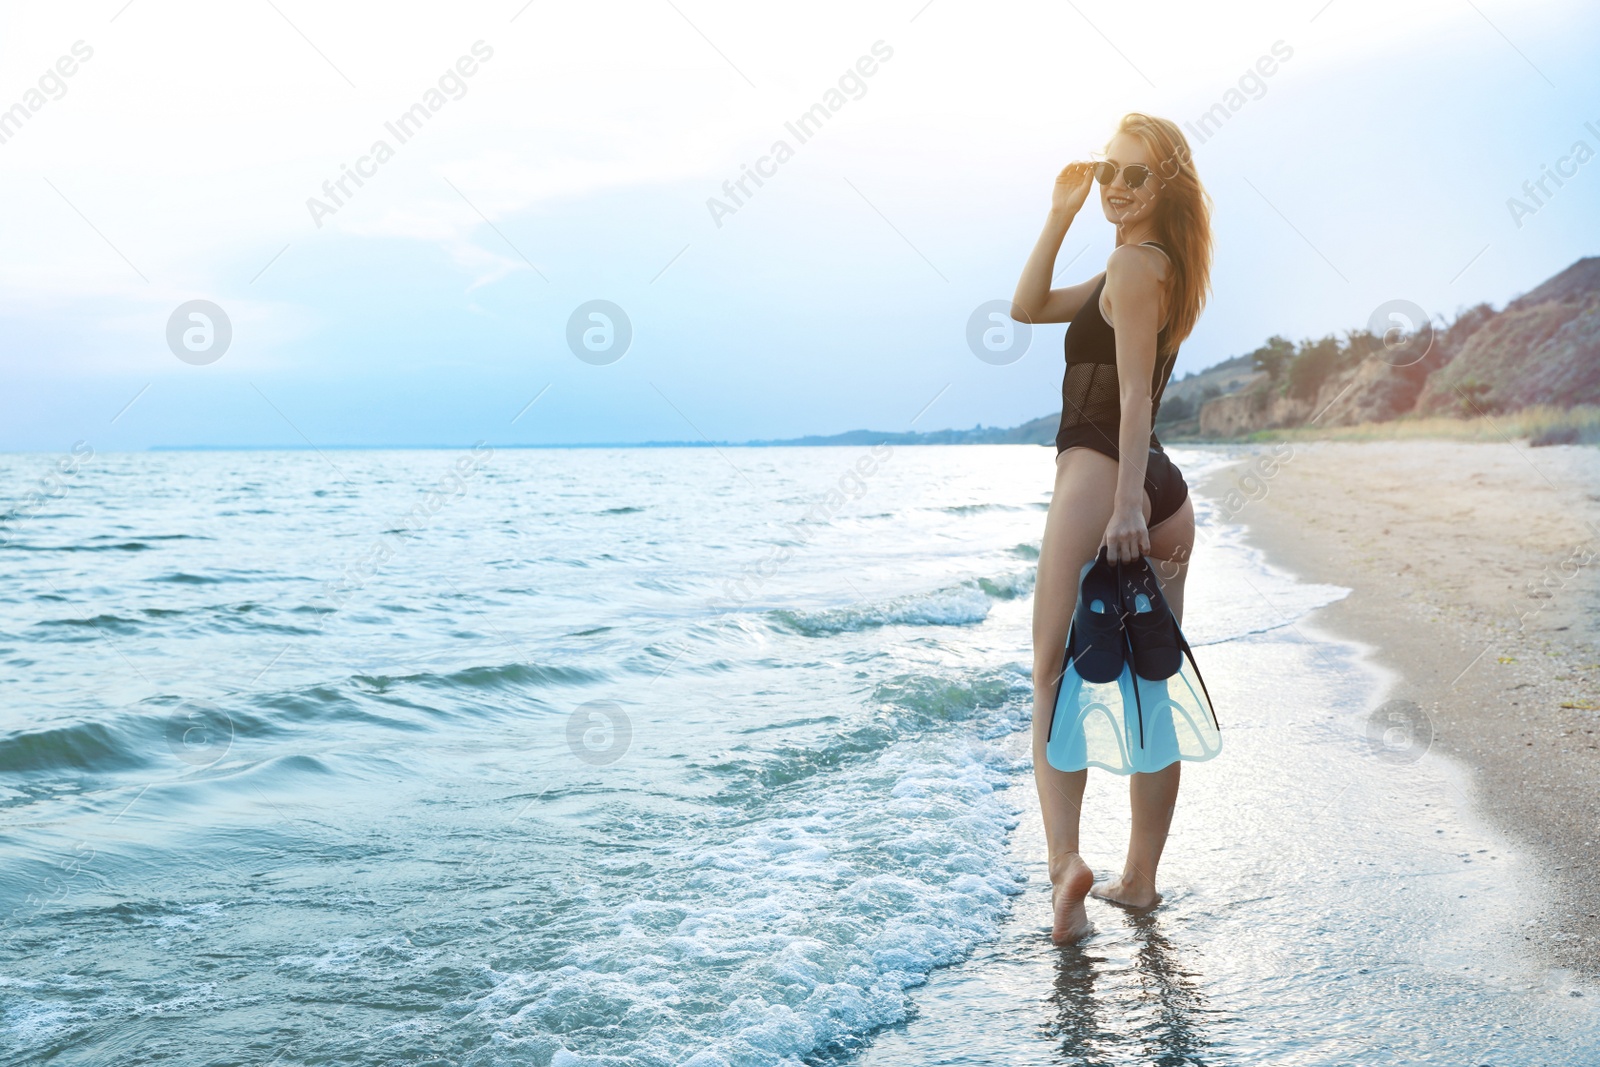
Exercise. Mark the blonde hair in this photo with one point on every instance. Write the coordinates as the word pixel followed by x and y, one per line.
pixel 1182 221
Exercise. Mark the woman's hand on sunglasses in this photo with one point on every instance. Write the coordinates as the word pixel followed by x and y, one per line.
pixel 1071 189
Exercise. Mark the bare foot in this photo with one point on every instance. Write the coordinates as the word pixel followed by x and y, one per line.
pixel 1068 886
pixel 1118 891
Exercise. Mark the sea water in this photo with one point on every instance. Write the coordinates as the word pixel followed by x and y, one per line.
pixel 682 756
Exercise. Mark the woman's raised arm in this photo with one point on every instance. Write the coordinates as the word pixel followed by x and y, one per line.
pixel 1034 300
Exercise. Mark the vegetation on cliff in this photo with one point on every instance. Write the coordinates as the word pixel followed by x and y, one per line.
pixel 1542 350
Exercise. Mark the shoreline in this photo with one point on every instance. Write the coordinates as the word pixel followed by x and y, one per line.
pixel 1393 930
pixel 1474 571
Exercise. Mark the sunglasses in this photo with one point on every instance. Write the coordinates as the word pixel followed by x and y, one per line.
pixel 1134 174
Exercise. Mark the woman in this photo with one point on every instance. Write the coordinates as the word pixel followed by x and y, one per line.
pixel 1127 323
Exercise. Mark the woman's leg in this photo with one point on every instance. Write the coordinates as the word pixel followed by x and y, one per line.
pixel 1080 508
pixel 1152 797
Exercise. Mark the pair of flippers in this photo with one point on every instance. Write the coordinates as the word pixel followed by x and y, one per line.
pixel 1131 699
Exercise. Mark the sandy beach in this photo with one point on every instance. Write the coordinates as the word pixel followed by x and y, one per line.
pixel 1473 575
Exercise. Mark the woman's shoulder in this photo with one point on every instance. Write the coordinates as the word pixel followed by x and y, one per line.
pixel 1138 263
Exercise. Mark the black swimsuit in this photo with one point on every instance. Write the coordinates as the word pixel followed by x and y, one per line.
pixel 1091 403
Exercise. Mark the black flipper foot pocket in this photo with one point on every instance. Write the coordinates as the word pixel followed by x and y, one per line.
pixel 1153 638
pixel 1097 646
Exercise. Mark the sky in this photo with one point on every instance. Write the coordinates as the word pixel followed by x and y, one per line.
pixel 576 153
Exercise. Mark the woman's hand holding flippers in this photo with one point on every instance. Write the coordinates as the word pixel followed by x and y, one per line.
pixel 1127 538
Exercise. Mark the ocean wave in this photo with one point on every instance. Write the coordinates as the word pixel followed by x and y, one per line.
pixel 123 546
pixel 978 509
pixel 1009 586
pixel 960 605
pixel 957 605
pixel 89 746
pixel 932 698
pixel 180 734
pixel 497 676
pixel 159 537
pixel 177 736
pixel 795 936
pixel 243 617
pixel 286 771
pixel 989 703
pixel 84 629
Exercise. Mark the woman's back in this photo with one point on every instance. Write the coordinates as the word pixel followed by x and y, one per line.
pixel 1091 398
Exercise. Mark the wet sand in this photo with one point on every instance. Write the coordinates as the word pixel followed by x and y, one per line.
pixel 1327 901
pixel 1475 577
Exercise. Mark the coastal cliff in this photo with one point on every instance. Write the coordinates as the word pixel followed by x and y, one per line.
pixel 1542 349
